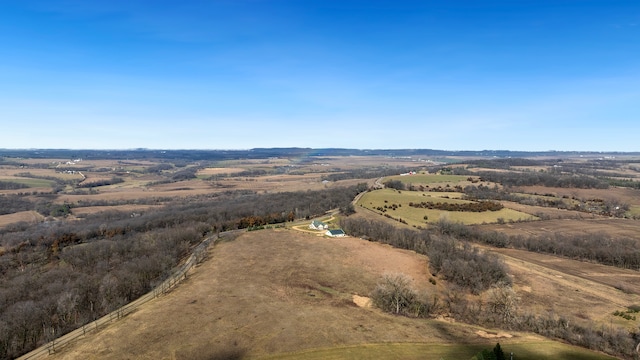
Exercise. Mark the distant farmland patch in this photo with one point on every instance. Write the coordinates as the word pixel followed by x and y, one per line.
pixel 218 171
pixel 427 178
pixel 29 182
pixel 26 216
pixel 396 204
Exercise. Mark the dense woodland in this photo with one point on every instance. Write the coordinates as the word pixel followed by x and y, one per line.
pixel 60 275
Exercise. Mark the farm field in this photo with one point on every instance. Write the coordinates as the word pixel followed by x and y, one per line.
pixel 85 184
pixel 386 198
pixel 22 216
pixel 282 294
pixel 571 226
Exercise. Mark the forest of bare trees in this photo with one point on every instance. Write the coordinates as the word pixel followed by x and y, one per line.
pixel 57 276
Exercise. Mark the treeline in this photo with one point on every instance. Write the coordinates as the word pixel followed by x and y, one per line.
pixel 11 185
pixel 104 182
pixel 624 183
pixel 57 276
pixel 500 310
pixel 41 203
pixel 477 206
pixel 10 204
pixel 544 179
pixel 394 184
pixel 593 247
pixel 555 178
pixel 507 163
pixel 370 173
pixel 455 261
pixel 609 207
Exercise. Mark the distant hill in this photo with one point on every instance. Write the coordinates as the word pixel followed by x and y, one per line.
pixel 264 153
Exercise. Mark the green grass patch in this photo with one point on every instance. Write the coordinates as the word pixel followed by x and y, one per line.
pixel 634 211
pixel 32 183
pixel 410 351
pixel 374 200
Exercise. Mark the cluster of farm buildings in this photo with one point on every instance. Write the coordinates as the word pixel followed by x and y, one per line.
pixel 319 225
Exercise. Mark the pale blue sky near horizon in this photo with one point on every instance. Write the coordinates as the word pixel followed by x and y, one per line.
pixel 237 74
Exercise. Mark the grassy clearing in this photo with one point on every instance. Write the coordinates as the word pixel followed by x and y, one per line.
pixel 32 183
pixel 522 351
pixel 415 216
pixel 634 211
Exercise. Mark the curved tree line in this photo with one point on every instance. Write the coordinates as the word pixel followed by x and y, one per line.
pixel 477 206
pixel 453 260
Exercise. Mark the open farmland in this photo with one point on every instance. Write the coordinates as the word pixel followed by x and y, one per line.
pixel 286 293
pixel 385 199
pixel 427 179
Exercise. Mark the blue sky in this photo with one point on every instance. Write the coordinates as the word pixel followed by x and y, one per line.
pixel 236 74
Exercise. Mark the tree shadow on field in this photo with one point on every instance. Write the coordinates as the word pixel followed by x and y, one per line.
pixel 212 353
pixel 450 333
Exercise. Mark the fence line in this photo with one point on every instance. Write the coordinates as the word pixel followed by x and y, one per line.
pixel 180 274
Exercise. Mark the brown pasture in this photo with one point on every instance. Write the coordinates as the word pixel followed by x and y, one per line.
pixel 271 292
pixel 624 195
pixel 613 227
pixel 570 288
pixel 26 216
pixel 9 173
pixel 281 291
pixel 549 212
pixel 218 171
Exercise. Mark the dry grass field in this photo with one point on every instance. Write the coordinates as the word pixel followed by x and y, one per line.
pixel 547 283
pixel 613 227
pixel 288 294
pixel 26 216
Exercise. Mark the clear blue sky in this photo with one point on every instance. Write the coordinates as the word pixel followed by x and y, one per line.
pixel 451 75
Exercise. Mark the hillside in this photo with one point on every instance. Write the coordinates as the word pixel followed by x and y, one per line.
pixel 279 292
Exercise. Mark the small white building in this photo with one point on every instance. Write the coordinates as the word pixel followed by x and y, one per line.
pixel 335 233
pixel 318 225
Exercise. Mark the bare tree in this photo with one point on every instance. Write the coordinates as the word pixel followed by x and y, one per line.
pixel 503 301
pixel 394 295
